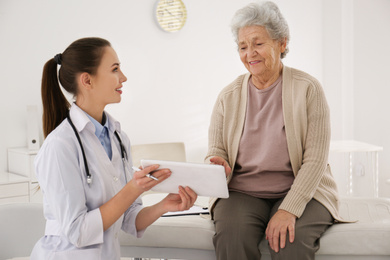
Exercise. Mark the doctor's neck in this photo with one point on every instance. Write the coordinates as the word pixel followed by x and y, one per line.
pixel 92 108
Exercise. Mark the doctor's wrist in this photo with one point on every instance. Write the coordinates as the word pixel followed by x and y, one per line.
pixel 134 188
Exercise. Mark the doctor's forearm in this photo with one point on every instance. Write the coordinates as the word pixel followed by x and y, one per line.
pixel 113 209
pixel 148 215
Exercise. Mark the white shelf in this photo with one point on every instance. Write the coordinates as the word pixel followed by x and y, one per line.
pixel 357 173
pixel 14 188
pixel 9 178
pixel 21 162
pixel 348 146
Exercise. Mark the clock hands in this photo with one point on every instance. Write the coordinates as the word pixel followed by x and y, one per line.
pixel 171 14
pixel 178 18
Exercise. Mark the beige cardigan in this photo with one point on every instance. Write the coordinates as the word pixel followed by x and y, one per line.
pixel 307 126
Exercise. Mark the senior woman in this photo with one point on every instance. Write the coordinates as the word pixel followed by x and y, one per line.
pixel 270 129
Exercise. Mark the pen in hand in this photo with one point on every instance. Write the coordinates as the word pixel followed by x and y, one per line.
pixel 147 175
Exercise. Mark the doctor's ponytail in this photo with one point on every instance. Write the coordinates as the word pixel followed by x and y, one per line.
pixel 55 105
pixel 83 55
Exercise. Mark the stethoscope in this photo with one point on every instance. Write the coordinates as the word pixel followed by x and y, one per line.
pixel 123 151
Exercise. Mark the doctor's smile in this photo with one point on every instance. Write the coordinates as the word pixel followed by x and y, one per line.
pixel 119 90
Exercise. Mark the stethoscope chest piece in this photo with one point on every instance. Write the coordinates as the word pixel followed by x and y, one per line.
pixel 89 176
pixel 89 180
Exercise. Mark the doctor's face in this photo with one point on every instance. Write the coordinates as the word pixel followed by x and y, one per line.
pixel 107 83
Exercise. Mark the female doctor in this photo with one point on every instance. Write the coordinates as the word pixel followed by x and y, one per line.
pixel 83 165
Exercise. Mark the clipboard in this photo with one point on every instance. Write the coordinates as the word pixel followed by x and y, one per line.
pixel 194 210
pixel 205 179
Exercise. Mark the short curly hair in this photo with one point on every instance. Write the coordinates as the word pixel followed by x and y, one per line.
pixel 266 14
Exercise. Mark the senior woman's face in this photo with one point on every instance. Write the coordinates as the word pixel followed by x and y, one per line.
pixel 259 53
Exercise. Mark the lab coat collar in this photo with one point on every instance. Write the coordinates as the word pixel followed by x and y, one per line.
pixel 81 120
pixel 114 125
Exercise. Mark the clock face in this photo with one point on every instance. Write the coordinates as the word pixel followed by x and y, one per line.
pixel 171 15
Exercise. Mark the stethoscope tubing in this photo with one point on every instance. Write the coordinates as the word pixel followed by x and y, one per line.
pixel 123 151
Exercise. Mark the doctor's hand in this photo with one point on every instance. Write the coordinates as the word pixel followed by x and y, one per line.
pixel 276 232
pixel 179 202
pixel 142 182
pixel 221 161
pixel 172 202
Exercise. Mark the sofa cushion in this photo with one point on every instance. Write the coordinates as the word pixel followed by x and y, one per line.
pixel 370 235
pixel 191 231
pixel 21 225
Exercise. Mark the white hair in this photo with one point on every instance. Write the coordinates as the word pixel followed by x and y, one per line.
pixel 266 14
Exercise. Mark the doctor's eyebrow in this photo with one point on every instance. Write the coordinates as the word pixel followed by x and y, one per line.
pixel 115 64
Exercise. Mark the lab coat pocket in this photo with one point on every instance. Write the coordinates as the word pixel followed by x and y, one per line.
pixel 78 254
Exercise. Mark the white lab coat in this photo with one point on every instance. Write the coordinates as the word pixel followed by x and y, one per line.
pixel 74 228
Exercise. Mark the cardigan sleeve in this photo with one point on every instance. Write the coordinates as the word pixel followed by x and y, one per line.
pixel 227 121
pixel 315 148
pixel 216 146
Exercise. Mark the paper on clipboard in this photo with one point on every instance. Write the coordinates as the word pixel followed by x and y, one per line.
pixel 205 179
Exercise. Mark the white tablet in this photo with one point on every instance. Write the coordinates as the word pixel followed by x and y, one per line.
pixel 205 179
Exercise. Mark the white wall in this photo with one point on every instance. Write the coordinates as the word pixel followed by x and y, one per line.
pixel 355 66
pixel 173 79
pixel 371 86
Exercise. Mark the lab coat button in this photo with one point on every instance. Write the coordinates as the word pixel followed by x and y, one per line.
pixel 115 178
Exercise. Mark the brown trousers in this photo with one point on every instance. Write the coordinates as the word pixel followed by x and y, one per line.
pixel 241 220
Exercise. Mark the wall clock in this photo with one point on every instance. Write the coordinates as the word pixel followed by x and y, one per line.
pixel 171 15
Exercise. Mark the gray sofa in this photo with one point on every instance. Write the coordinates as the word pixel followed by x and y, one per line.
pixel 190 237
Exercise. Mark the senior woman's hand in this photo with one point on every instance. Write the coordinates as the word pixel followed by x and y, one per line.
pixel 277 228
pixel 221 161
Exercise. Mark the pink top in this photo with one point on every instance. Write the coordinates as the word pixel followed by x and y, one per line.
pixel 263 167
